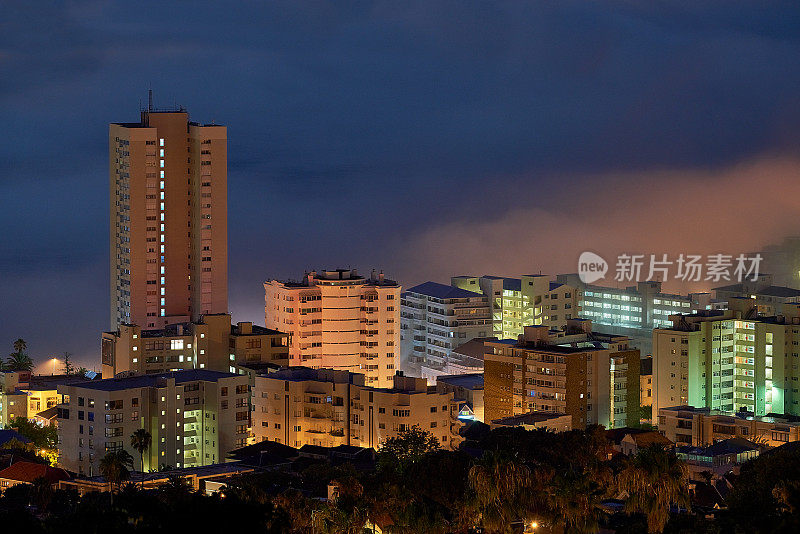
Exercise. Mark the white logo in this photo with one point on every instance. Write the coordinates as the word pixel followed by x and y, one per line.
pixel 591 267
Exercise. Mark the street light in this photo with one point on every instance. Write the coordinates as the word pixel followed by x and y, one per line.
pixel 54 365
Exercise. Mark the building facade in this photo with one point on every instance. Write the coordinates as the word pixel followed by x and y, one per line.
pixel 592 377
pixel 519 302
pixel 467 390
pixel 435 320
pixel 701 427
pixel 194 417
pixel 339 320
pixel 168 219
pixel 768 299
pixel 302 406
pixel 729 361
pixel 210 343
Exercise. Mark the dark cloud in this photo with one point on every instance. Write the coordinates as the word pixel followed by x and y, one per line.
pixel 357 127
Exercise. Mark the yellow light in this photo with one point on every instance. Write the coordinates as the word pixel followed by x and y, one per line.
pixel 534 524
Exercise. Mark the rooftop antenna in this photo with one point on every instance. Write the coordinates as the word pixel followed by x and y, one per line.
pixel 149 100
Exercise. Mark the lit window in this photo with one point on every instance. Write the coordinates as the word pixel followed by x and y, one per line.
pixel 233 358
pixel 162 163
pixel 136 360
pixel 163 313
pixel 176 344
pixel 161 153
pixel 160 142
pixel 135 348
pixel 202 336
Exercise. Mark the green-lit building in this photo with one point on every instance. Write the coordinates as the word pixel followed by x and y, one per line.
pixel 729 360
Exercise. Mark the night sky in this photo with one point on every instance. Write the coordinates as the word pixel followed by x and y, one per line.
pixel 426 139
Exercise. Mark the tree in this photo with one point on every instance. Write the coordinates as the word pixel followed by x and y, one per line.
pixel 20 345
pixel 68 367
pixel 141 440
pixel 116 466
pixel 503 489
pixel 654 479
pixel 408 447
pixel 19 361
pixel 43 437
pixel 81 371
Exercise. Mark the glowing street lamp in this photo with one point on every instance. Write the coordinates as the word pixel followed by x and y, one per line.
pixel 54 365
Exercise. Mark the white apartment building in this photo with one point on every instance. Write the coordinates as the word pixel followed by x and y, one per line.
pixel 527 301
pixel 339 320
pixel 195 418
pixel 301 406
pixel 435 320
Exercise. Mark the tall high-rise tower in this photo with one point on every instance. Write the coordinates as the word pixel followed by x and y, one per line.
pixel 169 219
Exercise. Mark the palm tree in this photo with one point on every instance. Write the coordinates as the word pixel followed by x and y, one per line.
pixel 19 361
pixel 20 345
pixel 141 440
pixel 655 479
pixel 116 466
pixel 574 498
pixel 504 490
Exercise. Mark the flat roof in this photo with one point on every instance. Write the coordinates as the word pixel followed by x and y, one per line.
pixel 144 381
pixel 443 291
pixel 529 418
pixel 468 381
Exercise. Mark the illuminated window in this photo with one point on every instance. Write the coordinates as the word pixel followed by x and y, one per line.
pixel 176 344
pixel 160 142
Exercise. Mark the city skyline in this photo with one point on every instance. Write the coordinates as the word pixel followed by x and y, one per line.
pixel 645 131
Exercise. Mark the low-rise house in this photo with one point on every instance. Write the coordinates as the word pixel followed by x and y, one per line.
pixel 632 443
pixel 198 478
pixel 24 472
pixel 729 452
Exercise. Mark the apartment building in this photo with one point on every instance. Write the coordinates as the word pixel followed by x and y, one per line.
pixel 729 360
pixel 767 298
pixel 168 219
pixel 339 320
pixel 435 319
pixel 644 306
pixel 701 427
pixel 302 406
pixel 518 302
pixel 591 376
pixel 212 343
pixel 195 418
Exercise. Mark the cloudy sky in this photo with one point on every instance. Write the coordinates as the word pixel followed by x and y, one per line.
pixel 422 138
